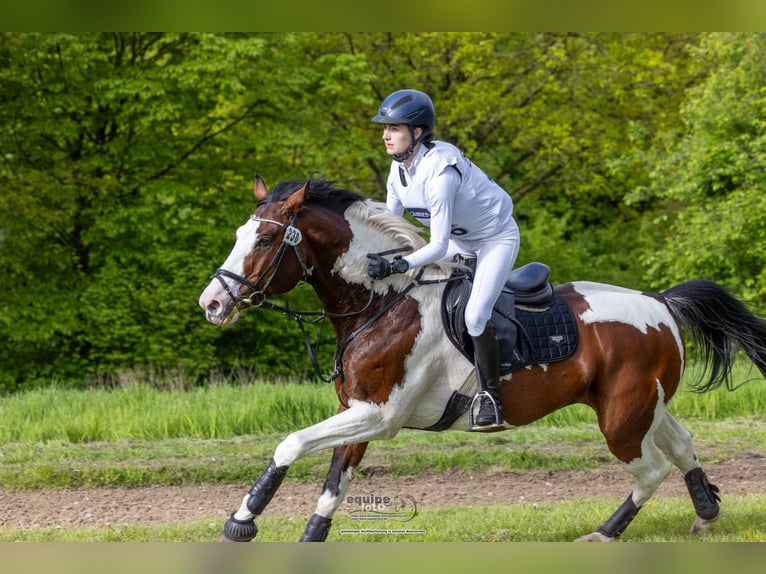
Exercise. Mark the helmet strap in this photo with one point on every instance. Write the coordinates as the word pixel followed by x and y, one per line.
pixel 400 157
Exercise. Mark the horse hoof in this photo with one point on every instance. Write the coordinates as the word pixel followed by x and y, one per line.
pixel 701 525
pixel 238 530
pixel 594 537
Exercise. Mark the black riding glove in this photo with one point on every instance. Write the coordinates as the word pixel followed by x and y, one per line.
pixel 380 268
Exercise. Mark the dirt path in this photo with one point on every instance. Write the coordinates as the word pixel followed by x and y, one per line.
pixel 74 508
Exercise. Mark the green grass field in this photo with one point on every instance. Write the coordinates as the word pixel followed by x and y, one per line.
pixel 141 412
pixel 140 435
pixel 549 522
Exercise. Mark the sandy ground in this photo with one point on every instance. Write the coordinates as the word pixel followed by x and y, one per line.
pixel 101 507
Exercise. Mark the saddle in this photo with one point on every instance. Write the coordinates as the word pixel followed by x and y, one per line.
pixel 532 323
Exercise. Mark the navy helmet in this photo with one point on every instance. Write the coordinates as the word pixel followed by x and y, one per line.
pixel 411 107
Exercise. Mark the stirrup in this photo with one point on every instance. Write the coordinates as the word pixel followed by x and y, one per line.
pixel 497 425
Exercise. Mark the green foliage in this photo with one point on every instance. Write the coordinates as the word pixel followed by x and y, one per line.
pixel 713 176
pixel 114 211
pixel 126 162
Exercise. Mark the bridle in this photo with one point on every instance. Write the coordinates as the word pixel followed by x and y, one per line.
pixel 291 238
pixel 257 298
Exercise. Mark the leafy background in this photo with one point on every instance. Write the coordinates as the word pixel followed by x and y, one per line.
pixel 126 163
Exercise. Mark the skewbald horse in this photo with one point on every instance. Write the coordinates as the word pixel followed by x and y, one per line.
pixel 395 367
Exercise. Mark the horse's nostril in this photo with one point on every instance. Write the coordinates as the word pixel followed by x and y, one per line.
pixel 213 308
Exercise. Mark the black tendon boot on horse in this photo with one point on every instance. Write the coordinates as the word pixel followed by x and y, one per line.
pixel 486 354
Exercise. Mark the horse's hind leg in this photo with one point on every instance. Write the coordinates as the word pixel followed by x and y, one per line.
pixel 676 443
pixel 344 460
pixel 642 459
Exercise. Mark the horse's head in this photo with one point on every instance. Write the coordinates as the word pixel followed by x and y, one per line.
pixel 311 232
pixel 267 256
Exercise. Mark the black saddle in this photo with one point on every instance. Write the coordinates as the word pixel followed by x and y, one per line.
pixel 532 323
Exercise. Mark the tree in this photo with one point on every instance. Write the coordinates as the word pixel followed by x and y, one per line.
pixel 120 154
pixel 712 177
pixel 126 164
pixel 563 121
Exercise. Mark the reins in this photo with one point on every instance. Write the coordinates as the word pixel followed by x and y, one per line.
pixel 292 238
pixel 341 348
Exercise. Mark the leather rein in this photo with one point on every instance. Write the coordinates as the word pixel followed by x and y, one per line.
pixel 257 298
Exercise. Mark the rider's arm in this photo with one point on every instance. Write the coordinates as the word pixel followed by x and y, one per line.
pixel 441 196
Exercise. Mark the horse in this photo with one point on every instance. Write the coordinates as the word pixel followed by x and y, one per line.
pixel 396 367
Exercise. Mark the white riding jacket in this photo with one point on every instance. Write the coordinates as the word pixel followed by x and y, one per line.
pixel 445 191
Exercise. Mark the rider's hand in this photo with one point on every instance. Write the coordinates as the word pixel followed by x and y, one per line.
pixel 380 268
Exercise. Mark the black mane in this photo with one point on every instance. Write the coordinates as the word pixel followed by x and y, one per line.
pixel 320 192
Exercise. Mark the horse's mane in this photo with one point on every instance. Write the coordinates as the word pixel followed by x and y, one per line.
pixel 389 231
pixel 382 229
pixel 320 192
pixel 377 217
pixel 366 211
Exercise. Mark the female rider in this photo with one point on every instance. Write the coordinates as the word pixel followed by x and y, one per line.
pixel 468 214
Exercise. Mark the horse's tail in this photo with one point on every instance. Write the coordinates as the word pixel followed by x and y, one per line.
pixel 718 323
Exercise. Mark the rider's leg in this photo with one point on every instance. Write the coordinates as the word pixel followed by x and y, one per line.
pixel 487 358
pixel 493 265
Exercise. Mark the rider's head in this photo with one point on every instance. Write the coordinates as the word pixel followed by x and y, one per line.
pixel 412 108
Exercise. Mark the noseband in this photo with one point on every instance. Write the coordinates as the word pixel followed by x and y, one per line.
pixel 257 298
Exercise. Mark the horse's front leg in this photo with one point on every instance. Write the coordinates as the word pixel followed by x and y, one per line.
pixel 240 527
pixel 344 460
pixel 359 424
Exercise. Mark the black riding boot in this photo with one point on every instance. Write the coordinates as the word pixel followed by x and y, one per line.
pixel 487 358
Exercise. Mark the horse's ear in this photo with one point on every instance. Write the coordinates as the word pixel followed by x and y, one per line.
pixel 295 201
pixel 259 188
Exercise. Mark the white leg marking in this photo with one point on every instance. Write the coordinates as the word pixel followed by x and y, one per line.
pixel 243 513
pixel 328 503
pixel 701 525
pixel 362 422
pixel 651 468
pixel 594 537
pixel 326 506
pixel 676 442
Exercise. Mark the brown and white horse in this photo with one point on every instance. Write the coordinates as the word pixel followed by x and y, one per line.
pixel 396 368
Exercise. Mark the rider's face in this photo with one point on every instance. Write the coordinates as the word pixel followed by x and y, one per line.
pixel 397 138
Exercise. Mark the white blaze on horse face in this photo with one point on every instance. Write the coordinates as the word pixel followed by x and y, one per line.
pixel 218 305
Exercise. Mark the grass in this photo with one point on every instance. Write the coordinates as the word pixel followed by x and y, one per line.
pixel 138 434
pixel 141 435
pixel 146 413
pixel 142 412
pixel 665 520
pixel 179 461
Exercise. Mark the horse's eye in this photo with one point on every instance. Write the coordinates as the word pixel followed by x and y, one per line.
pixel 264 242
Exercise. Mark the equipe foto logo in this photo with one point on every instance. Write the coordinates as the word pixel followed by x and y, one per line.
pixel 373 507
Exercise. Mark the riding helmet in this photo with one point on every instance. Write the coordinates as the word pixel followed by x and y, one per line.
pixel 411 107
